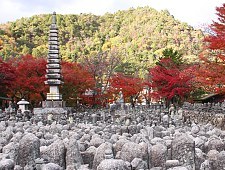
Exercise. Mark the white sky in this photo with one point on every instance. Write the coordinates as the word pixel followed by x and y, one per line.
pixel 194 12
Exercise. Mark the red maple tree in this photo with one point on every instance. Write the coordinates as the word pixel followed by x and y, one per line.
pixel 29 81
pixel 210 75
pixel 76 81
pixel 216 40
pixel 170 81
pixel 130 86
pixel 211 72
pixel 7 76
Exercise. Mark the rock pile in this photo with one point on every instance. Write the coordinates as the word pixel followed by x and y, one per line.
pixel 86 146
pixel 142 144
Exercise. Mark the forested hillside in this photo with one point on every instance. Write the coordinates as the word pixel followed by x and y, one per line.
pixel 138 35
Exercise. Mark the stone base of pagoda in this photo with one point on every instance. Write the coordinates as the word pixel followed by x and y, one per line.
pixel 50 115
pixel 53 104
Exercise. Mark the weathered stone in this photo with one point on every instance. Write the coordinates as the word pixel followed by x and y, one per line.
pixel 71 167
pixel 157 140
pixel 212 155
pixel 8 133
pixel 28 151
pixel 6 164
pixel 165 133
pixel 195 129
pixel 138 163
pixel 19 129
pixel 51 166
pixel 145 149
pixel 17 167
pixel 110 164
pixel 114 138
pixel 65 134
pixel 96 141
pixel 88 156
pixel 39 163
pixel 119 144
pixel 3 141
pixel 199 158
pixel 148 132
pixel 156 168
pixel 83 146
pixel 39 135
pixel 172 163
pixel 124 129
pixel 54 128
pixel 29 167
pixel 85 137
pixel 11 149
pixel 48 136
pixel 206 138
pixel 54 153
pixel 100 154
pixel 206 165
pixel 132 129
pixel 66 127
pixel 84 167
pixel 168 143
pixel 178 168
pixel 135 138
pixel 73 156
pixel 183 149
pixel 199 143
pixel 158 155
pixel 216 144
pixel 43 142
pixel 220 163
pixel 131 150
pixel 16 137
pixel 2 126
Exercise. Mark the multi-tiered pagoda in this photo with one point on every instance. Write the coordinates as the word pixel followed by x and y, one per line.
pixel 54 78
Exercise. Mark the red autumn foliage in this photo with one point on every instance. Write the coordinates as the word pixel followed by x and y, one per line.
pixel 216 41
pixel 76 81
pixel 24 78
pixel 211 72
pixel 169 81
pixel 211 75
pixel 30 76
pixel 101 66
pixel 130 86
pixel 7 76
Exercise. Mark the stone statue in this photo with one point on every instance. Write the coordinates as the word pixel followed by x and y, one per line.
pixel 172 111
pixel 50 118
pixel 54 18
pixel 121 100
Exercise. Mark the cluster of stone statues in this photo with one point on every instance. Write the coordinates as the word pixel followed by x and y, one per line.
pixel 213 113
pixel 15 115
pixel 155 114
pixel 133 138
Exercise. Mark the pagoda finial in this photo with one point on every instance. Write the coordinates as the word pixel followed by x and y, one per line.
pixel 54 18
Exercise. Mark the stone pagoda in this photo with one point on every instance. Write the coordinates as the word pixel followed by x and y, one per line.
pixel 53 108
pixel 54 78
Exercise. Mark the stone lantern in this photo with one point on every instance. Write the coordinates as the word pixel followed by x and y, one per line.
pixel 23 105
